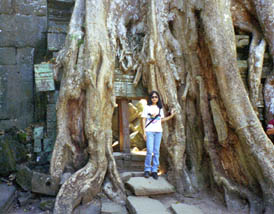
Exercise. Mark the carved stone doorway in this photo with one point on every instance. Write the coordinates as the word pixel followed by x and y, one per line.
pixel 126 89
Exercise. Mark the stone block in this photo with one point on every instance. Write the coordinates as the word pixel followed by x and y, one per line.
pixel 109 207
pixel 12 77
pixel 24 177
pixel 44 77
pixel 185 208
pixel 7 56
pixel 52 97
pixel 149 186
pixel 118 155
pixel 138 156
pixel 57 27
pixel 144 205
pixel 7 197
pixel 135 165
pixel 22 31
pixel 48 144
pixel 56 41
pixel 7 30
pixel 6 7
pixel 7 124
pixel 31 7
pixel 125 176
pixel 59 11
pixel 51 131
pixel 37 145
pixel 25 55
pixel 42 183
pixel 17 91
pixel 51 112
pixel 7 158
pixel 26 75
pixel 38 133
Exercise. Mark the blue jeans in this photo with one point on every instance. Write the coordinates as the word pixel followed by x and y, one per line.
pixel 153 146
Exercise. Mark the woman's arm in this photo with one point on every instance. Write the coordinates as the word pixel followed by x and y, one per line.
pixel 168 117
pixel 270 131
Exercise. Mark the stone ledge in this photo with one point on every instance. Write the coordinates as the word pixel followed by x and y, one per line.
pixel 109 207
pixel 185 208
pixel 7 197
pixel 144 205
pixel 148 186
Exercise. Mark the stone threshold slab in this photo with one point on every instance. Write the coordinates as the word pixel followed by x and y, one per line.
pixel 144 205
pixel 141 186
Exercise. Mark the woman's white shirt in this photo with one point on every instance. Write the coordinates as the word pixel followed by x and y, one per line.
pixel 156 125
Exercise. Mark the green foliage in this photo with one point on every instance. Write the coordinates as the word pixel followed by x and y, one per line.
pixel 22 137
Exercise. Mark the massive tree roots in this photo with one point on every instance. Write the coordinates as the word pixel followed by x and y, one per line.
pixel 186 51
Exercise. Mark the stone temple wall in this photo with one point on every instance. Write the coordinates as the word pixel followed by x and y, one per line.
pixel 31 31
pixel 23 26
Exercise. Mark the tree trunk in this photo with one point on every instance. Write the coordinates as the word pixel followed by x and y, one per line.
pixel 186 51
pixel 85 108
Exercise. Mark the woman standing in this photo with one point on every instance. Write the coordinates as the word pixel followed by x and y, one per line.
pixel 153 116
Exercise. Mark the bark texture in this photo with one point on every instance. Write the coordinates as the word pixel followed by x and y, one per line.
pixel 185 50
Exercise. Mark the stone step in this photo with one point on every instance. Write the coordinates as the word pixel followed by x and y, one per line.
pixel 130 161
pixel 7 197
pixel 144 205
pixel 135 156
pixel 126 175
pixel 109 207
pixel 149 186
pixel 185 208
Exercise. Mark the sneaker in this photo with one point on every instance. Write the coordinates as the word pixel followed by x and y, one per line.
pixel 155 175
pixel 146 174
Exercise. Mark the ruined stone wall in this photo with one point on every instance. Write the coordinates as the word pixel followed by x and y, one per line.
pixel 31 31
pixel 23 26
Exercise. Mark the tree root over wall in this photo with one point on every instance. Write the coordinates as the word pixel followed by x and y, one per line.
pixel 186 51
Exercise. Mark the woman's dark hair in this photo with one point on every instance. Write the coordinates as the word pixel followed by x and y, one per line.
pixel 159 103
